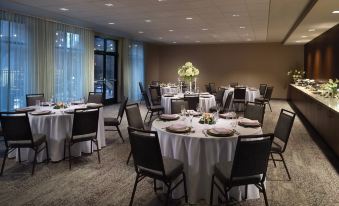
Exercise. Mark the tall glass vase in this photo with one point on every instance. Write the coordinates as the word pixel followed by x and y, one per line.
pixel 190 86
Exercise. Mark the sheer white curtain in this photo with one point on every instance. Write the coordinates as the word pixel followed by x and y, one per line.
pixel 133 68
pixel 39 56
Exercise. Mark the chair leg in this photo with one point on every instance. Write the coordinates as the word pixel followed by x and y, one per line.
pixel 246 188
pixel 155 186
pixel 134 189
pixel 211 194
pixel 34 161
pixel 129 157
pixel 269 105
pixel 264 192
pixel 3 162
pixel 91 147
pixel 273 160
pixel 19 153
pixel 283 160
pixel 168 193
pixel 47 153
pixel 69 155
pixel 98 152
pixel 146 116
pixel 65 149
pixel 185 187
pixel 150 118
pixel 120 134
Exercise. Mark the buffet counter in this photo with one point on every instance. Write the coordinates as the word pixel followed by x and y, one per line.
pixel 322 113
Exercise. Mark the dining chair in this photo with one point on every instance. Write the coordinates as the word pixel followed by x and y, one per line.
pixel 208 88
pixel 262 89
pixel 219 96
pixel 134 120
pixel 17 134
pixel 192 100
pixel 155 93
pixel 228 102
pixel 234 84
pixel 31 99
pixel 213 89
pixel 149 162
pixel 239 96
pixel 151 109
pixel 116 121
pixel 282 133
pixel 95 97
pixel 249 166
pixel 255 111
pixel 155 83
pixel 177 104
pixel 85 128
pixel 267 97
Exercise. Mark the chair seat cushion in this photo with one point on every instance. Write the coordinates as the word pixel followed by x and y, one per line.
pixel 111 121
pixel 259 99
pixel 223 172
pixel 83 137
pixel 157 108
pixel 38 139
pixel 173 167
pixel 277 148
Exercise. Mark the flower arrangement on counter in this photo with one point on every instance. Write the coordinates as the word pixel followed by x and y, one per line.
pixel 207 118
pixel 60 105
pixel 296 74
pixel 188 71
pixel 330 88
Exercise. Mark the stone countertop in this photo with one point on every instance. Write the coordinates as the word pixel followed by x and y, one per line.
pixel 332 103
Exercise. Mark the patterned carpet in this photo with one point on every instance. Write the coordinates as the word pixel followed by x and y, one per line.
pixel 315 179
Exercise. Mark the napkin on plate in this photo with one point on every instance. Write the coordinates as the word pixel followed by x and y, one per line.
pixel 228 115
pixel 221 131
pixel 249 122
pixel 41 112
pixel 169 116
pixel 178 127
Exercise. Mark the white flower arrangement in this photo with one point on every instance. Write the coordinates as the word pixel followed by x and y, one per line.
pixel 296 74
pixel 188 71
pixel 330 88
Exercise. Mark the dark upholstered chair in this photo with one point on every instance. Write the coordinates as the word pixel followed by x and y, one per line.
pixel 142 91
pixel 151 109
pixel 227 102
pixel 213 89
pixel 219 96
pixel 116 121
pixel 176 105
pixel 208 88
pixel 134 120
pixel 148 162
pixel 32 98
pixel 155 95
pixel 85 128
pixel 234 84
pixel 239 96
pixel 262 89
pixel 192 100
pixel 17 134
pixel 248 167
pixel 267 97
pixel 282 133
pixel 95 97
pixel 255 111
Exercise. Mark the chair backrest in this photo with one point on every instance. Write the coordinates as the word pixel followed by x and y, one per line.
pixel 133 115
pixel 208 88
pixel 213 89
pixel 85 121
pixel 155 93
pixel 32 98
pixel 251 155
pixel 192 101
pixel 255 111
pixel 240 93
pixel 233 84
pixel 94 97
pixel 176 105
pixel 268 93
pixel 147 102
pixel 284 126
pixel 219 96
pixel 146 150
pixel 15 126
pixel 262 89
pixel 122 108
pixel 142 90
pixel 228 101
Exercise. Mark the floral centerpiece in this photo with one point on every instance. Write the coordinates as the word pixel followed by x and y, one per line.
pixel 188 72
pixel 296 74
pixel 207 118
pixel 330 88
pixel 60 105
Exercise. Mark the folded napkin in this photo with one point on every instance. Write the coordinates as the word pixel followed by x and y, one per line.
pixel 221 130
pixel 195 113
pixel 93 105
pixel 228 115
pixel 178 127
pixel 249 122
pixel 169 116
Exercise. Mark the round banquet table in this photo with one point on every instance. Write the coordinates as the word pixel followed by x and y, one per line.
pixel 205 102
pixel 199 155
pixel 166 90
pixel 251 94
pixel 57 126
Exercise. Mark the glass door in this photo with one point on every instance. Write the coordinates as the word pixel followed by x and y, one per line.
pixel 105 69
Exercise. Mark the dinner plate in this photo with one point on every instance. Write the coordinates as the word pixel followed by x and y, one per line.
pixel 244 124
pixel 178 129
pixel 169 117
pixel 25 109
pixel 41 112
pixel 220 132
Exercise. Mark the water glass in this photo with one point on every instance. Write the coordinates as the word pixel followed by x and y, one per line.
pixel 183 110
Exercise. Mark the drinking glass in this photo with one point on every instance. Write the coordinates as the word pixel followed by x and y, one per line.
pixel 183 110
pixel 37 103
pixel 191 118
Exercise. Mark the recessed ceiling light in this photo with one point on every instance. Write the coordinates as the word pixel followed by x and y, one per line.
pixel 148 20
pixel 302 41
pixel 189 18
pixel 204 29
pixel 249 39
pixel 161 0
pixel 242 27
pixel 335 12
pixel 109 4
pixel 197 41
pixel 311 30
pixel 174 42
pixel 111 23
pixel 63 9
pixel 171 30
pixel 140 32
pixel 235 15
pixel 303 36
pixel 160 37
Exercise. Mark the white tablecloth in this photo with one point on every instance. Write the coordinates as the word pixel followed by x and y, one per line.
pixel 56 127
pixel 251 94
pixel 205 103
pixel 199 155
pixel 172 90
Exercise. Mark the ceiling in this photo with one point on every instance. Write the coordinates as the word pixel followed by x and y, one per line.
pixel 176 21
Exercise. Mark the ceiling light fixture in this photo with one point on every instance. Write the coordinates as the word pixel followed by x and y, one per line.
pixel 140 32
pixel 302 41
pixel 197 41
pixel 235 15
pixel 109 4
pixel 160 37
pixel 171 30
pixel 161 0
pixel 63 9
pixel 111 23
pixel 242 27
pixel 189 18
pixel 204 29
pixel 303 36
pixel 335 12
pixel 148 20
pixel 311 30
pixel 174 42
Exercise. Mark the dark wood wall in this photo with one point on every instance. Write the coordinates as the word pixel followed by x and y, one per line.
pixel 322 55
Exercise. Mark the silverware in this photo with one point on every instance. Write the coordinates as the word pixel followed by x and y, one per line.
pixel 204 132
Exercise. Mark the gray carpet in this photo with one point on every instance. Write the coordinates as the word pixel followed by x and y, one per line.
pixel 314 181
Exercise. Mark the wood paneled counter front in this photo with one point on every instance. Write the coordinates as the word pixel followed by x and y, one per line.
pixel 322 113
